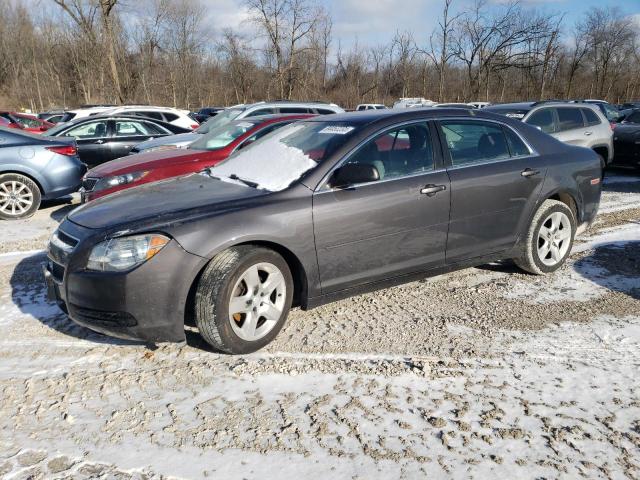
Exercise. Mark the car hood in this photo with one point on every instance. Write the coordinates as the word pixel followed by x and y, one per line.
pixel 181 139
pixel 150 161
pixel 164 202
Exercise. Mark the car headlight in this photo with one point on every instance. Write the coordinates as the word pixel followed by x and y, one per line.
pixel 115 180
pixel 124 253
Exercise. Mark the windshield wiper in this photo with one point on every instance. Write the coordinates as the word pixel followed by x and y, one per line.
pixel 249 183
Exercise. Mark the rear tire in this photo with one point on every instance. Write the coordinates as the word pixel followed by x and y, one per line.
pixel 243 299
pixel 548 241
pixel 19 197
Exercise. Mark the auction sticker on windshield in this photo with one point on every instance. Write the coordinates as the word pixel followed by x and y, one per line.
pixel 336 130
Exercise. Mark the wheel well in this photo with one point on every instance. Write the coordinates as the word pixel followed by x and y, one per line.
pixel 295 266
pixel 568 200
pixel 603 152
pixel 5 172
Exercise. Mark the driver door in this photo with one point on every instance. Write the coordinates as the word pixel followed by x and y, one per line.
pixel 388 227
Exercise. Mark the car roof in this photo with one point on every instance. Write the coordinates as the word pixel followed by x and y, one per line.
pixel 365 117
pixel 275 118
pixel 287 103
pixel 518 105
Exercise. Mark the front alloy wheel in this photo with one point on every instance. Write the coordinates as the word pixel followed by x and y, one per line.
pixel 243 298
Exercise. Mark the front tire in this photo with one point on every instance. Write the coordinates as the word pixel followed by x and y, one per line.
pixel 243 298
pixel 549 239
pixel 19 197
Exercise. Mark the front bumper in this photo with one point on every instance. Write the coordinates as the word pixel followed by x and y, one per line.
pixel 146 303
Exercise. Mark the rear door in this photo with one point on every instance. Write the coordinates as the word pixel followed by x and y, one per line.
pixel 127 133
pixel 389 227
pixel 571 127
pixel 495 181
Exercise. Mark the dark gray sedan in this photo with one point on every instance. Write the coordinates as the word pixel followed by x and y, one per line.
pixel 317 211
pixel 35 168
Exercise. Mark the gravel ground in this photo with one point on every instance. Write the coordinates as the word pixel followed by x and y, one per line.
pixel 479 373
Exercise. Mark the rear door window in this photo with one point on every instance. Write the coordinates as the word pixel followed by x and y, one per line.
pixel 569 118
pixel 543 119
pixel 471 142
pixel 130 128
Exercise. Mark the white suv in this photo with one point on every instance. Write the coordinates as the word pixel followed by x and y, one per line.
pixel 580 124
pixel 171 115
pixel 238 112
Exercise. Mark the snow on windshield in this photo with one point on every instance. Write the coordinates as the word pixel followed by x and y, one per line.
pixel 273 163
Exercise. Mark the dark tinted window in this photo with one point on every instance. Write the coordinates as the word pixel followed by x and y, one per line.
pixel 294 110
pixel 170 117
pixel 543 119
pixel 590 116
pixel 324 111
pixel 154 115
pixel 474 142
pixel 569 118
pixel 262 133
pixel 634 117
pixel 154 129
pixel 261 111
pixel 517 148
pixel 399 152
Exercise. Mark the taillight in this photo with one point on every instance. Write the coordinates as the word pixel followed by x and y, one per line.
pixel 613 125
pixel 68 150
pixel 194 126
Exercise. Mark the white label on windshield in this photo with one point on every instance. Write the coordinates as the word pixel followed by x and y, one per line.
pixel 515 115
pixel 335 130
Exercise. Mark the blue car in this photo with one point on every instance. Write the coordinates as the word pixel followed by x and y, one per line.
pixel 35 168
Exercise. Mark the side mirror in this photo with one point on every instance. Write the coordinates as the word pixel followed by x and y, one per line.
pixel 354 173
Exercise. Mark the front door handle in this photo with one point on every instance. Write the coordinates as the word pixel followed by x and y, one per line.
pixel 431 189
pixel 99 142
pixel 529 172
pixel 588 133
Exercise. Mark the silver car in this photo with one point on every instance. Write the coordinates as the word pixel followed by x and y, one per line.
pixel 580 124
pixel 237 112
pixel 35 168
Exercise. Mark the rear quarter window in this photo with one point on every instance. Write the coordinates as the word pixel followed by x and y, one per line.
pixel 169 117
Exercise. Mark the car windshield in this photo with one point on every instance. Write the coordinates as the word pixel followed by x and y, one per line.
pixel 222 136
pixel 224 117
pixel 278 159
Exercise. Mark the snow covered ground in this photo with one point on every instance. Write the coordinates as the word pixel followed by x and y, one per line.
pixel 482 373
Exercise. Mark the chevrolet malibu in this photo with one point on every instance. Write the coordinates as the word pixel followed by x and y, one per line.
pixel 317 211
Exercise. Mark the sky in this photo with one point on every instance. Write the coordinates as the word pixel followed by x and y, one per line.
pixel 372 22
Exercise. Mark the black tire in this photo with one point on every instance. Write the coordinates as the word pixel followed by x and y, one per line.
pixel 29 191
pixel 530 260
pixel 214 293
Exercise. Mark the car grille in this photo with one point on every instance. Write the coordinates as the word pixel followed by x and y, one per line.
pixel 103 318
pixel 61 246
pixel 89 184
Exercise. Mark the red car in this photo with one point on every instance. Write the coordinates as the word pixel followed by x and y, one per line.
pixel 25 122
pixel 214 147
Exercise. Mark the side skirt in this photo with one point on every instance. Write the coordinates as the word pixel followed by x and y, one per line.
pixel 399 280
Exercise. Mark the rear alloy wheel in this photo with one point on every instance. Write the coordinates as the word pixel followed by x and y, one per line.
pixel 19 196
pixel 243 299
pixel 549 239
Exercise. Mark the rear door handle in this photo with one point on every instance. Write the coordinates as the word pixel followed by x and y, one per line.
pixel 529 172
pixel 430 190
pixel 588 133
pixel 99 142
